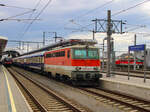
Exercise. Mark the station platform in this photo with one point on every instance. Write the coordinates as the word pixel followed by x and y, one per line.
pixel 11 98
pixel 134 86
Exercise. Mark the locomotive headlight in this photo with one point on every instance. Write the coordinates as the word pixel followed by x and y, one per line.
pixel 95 68
pixel 78 68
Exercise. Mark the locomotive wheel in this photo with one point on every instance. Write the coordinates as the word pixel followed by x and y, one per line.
pixel 57 76
pixel 49 75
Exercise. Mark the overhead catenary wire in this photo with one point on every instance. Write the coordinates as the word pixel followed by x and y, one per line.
pixel 132 29
pixel 74 30
pixel 101 6
pixel 88 12
pixel 119 12
pixel 129 8
pixel 38 3
pixel 16 7
pixel 30 16
pixel 19 14
pixel 17 19
pixel 136 27
pixel 82 27
pixel 139 33
pixel 49 1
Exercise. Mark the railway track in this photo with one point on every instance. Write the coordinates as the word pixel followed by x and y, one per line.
pixel 41 98
pixel 132 74
pixel 127 103
pixel 131 71
pixel 138 71
pixel 117 100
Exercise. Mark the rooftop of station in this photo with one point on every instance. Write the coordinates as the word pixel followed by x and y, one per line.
pixel 3 43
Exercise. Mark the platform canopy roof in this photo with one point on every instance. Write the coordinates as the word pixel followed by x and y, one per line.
pixel 3 43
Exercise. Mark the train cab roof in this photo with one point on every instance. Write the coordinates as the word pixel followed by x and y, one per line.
pixel 72 47
pixel 83 46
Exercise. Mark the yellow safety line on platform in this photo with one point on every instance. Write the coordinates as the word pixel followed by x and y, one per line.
pixel 10 94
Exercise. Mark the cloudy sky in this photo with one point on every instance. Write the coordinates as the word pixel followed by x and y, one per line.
pixel 72 19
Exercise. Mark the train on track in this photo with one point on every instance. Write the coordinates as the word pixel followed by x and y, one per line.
pixel 74 60
pixel 7 61
pixel 124 63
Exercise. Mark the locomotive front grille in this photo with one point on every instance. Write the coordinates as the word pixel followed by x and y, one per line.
pixel 79 76
pixel 97 75
pixel 87 75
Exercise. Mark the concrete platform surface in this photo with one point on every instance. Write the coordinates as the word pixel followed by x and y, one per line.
pixel 134 86
pixel 11 98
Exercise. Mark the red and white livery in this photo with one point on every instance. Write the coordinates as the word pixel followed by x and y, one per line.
pixel 75 60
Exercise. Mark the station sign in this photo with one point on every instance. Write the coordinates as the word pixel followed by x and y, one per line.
pixel 137 47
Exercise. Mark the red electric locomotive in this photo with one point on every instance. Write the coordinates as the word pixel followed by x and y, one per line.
pixel 124 62
pixel 78 63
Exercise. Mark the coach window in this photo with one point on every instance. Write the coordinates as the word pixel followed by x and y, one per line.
pixel 68 54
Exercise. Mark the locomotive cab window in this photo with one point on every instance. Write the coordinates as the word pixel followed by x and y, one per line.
pixel 86 54
pixel 80 53
pixel 93 54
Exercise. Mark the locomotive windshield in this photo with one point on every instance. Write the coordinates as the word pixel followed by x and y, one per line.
pixel 86 54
